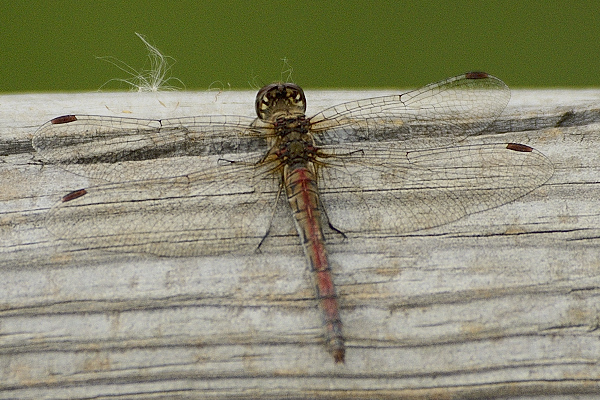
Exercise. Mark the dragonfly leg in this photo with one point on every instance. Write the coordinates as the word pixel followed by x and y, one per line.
pixel 274 208
pixel 331 226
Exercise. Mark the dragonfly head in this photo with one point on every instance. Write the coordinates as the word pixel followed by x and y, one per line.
pixel 279 99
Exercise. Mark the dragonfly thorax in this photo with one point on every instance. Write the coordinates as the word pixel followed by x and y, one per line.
pixel 280 100
pixel 293 148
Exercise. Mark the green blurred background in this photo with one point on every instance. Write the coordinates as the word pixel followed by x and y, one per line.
pixel 53 45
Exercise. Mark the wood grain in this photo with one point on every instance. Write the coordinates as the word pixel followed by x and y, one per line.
pixel 502 303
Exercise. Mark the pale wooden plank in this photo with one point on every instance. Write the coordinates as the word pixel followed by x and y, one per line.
pixel 500 303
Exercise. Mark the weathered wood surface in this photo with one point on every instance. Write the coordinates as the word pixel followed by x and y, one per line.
pixel 504 303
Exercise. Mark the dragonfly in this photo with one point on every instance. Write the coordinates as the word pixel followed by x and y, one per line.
pixel 208 185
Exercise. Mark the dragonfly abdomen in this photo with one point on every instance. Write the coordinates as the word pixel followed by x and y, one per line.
pixel 303 196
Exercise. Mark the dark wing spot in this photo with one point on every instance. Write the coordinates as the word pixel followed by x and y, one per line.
pixel 74 195
pixel 476 75
pixel 64 119
pixel 519 147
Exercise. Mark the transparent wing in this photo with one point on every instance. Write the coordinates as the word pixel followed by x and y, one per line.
pixel 227 208
pixel 432 116
pixel 223 209
pixel 104 147
pixel 388 190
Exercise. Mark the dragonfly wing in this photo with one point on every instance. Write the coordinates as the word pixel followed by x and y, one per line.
pixel 105 147
pixel 387 190
pixel 431 116
pixel 225 209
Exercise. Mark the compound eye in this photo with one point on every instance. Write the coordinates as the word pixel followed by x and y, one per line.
pixel 262 102
pixel 296 97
